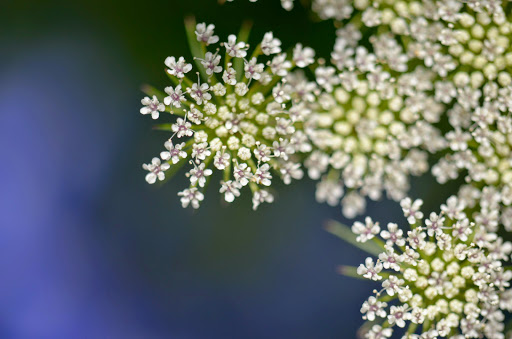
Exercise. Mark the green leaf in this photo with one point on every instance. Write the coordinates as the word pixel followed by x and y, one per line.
pixel 344 232
pixel 163 127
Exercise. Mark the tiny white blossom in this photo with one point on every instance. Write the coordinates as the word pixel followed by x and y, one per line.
pixel 182 128
pixel 175 98
pixel 156 170
pixel 174 152
pixel 262 175
pixel 370 270
pixel 398 315
pixel 261 196
pixel 365 231
pixel 234 49
pixel 270 45
pixel 205 34
pixel 177 68
pixel 412 209
pixel 152 106
pixel 191 196
pixel 230 190
pixel 372 308
pixel 198 175
pixel 303 56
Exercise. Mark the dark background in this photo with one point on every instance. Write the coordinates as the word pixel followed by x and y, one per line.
pixel 89 250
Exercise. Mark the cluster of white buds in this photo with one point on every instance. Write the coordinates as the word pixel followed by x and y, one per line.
pixel 443 278
pixel 374 124
pixel 238 114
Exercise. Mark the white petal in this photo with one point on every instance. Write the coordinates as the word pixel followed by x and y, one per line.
pixel 151 178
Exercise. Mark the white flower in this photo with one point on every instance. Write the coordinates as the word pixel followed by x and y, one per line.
pixel 462 229
pixel 152 106
pixel 393 235
pixel 199 92
pixel 434 224
pixel 175 152
pixel 333 9
pixel 372 307
pixel 291 171
pixel 200 151
pixel 175 98
pixel 262 153
pixel 262 175
pixel 453 208
pixel 261 196
pixel 230 189
pixel 303 56
pixel 365 231
pixel 156 170
pixel 411 209
pixel 270 45
pixel 280 65
pixel 416 239
pixel 221 160
pixel 287 4
pixel 205 35
pixel 191 196
pixel 378 332
pixel 182 128
pixel 211 63
pixel 242 174
pixel 177 68
pixel 398 315
pixel 325 77
pixel 229 75
pixel 390 260
pixel 370 270
pixel 253 70
pixel 329 191
pixel 198 175
pixel 392 285
pixel 234 49
pixel 352 204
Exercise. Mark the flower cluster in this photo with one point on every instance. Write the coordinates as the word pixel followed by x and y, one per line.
pixel 479 92
pixel 238 114
pixel 466 47
pixel 373 125
pixel 442 278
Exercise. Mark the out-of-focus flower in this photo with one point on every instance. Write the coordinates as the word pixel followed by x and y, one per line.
pixel 374 125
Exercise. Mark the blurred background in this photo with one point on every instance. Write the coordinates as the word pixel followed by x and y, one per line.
pixel 89 250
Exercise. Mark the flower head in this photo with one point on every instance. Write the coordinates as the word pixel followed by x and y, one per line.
pixel 445 282
pixel 241 116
